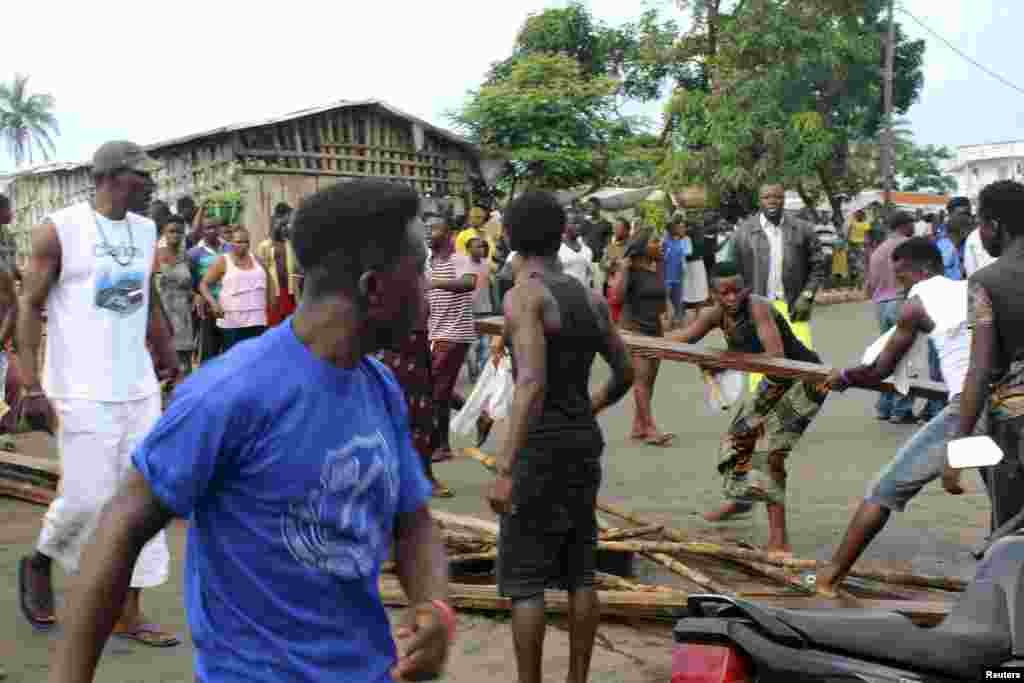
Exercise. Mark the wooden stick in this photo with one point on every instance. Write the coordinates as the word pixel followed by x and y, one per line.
pixel 731 360
pixel 27 492
pixel 447 519
pixel 655 604
pixel 473 557
pixel 677 567
pixel 627 533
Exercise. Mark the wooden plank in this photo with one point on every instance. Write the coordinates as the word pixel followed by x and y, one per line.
pixel 270 154
pixel 660 605
pixel 731 360
pixel 26 492
pixel 42 465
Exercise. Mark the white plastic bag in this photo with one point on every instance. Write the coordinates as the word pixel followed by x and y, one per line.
pixel 493 393
pixel 722 389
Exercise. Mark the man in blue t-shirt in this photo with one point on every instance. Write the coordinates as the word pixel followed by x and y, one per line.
pixel 675 248
pixel 290 455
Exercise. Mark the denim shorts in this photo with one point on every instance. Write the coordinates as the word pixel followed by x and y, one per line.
pixel 918 462
pixel 549 539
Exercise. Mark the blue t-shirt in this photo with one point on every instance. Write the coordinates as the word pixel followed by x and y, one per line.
pixel 675 252
pixel 291 472
pixel 950 258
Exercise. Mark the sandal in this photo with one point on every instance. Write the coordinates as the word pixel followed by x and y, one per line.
pixel 661 440
pixel 39 624
pixel 149 634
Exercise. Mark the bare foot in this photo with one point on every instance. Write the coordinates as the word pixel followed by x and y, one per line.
pixel 826 582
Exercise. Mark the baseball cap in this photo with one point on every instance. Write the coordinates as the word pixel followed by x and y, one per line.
pixel 901 218
pixel 689 216
pixel 121 155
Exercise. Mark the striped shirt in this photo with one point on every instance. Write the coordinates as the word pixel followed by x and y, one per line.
pixel 451 314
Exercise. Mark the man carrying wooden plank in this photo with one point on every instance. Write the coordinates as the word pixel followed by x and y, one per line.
pixel 91 268
pixel 936 306
pixel 772 420
pixel 549 466
pixel 292 460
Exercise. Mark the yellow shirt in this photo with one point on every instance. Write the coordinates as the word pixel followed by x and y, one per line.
pixel 859 231
pixel 469 233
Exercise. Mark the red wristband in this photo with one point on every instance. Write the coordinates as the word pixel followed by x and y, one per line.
pixel 447 615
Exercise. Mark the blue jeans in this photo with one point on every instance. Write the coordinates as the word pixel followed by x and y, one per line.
pixel 480 351
pixel 891 404
pixel 919 462
pixel 675 295
pixel 934 405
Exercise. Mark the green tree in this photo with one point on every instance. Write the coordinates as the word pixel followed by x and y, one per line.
pixel 26 121
pixel 551 107
pixel 785 90
pixel 919 168
pixel 555 126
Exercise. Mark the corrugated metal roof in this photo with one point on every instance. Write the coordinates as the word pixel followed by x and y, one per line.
pixel 224 130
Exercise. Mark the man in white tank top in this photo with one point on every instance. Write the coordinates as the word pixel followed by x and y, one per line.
pixel 936 306
pixel 91 268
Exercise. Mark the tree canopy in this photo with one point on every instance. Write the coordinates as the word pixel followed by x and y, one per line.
pixel 790 87
pixel 552 107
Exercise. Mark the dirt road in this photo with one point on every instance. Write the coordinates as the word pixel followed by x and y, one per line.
pixel 828 475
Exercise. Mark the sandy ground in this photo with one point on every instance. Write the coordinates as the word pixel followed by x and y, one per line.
pixel 828 474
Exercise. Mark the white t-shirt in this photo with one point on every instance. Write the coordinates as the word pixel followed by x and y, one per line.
pixel 98 310
pixel 945 301
pixel 775 290
pixel 975 255
pixel 579 264
pixel 922 229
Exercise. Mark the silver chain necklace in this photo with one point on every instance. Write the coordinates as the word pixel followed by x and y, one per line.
pixel 107 247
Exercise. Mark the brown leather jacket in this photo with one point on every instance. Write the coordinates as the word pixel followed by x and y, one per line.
pixel 805 266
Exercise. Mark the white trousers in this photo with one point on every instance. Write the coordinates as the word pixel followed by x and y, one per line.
pixel 95 440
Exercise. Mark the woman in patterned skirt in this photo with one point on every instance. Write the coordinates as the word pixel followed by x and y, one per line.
pixel 411 364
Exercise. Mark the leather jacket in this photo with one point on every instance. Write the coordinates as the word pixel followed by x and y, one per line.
pixel 805 266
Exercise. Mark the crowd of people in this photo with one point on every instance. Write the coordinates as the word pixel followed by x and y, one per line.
pixel 302 445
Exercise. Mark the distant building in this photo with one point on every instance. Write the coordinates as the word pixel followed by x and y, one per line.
pixel 280 159
pixel 976 166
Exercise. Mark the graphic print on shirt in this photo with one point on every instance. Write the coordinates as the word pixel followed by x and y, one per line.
pixel 119 289
pixel 338 527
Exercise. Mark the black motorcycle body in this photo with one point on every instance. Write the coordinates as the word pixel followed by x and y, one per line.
pixel 727 640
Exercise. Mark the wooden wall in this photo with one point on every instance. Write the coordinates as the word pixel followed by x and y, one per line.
pixel 360 142
pixel 273 163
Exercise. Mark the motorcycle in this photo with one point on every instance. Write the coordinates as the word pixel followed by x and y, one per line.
pixel 726 640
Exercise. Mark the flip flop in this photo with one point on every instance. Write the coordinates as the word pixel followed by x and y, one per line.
pixel 149 634
pixel 39 625
pixel 661 440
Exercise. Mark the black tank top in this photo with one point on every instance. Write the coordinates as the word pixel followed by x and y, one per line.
pixel 743 335
pixel 1004 282
pixel 570 355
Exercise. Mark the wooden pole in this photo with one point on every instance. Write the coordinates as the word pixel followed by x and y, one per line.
pixel 730 360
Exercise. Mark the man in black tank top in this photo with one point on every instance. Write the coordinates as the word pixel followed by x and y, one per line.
pixel 995 313
pixel 769 423
pixel 549 465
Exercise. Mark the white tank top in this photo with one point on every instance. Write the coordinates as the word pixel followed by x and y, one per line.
pixel 945 301
pixel 97 312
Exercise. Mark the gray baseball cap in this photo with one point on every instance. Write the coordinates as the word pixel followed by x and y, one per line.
pixel 122 155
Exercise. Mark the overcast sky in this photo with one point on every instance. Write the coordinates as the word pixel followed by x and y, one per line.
pixel 118 72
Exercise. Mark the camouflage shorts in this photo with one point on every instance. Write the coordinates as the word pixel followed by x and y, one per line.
pixel 766 428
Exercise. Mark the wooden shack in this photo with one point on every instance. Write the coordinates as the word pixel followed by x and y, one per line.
pixel 275 160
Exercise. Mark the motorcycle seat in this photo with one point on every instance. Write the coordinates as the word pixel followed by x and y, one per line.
pixel 975 634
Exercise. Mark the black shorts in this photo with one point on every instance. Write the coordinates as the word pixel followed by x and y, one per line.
pixel 549 540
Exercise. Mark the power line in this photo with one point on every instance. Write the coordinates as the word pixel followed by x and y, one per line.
pixel 957 50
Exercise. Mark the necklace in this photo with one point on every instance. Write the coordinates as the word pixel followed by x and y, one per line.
pixel 108 248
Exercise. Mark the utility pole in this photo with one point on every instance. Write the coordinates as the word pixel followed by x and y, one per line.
pixel 887 136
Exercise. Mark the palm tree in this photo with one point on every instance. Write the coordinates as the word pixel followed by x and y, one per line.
pixel 26 121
